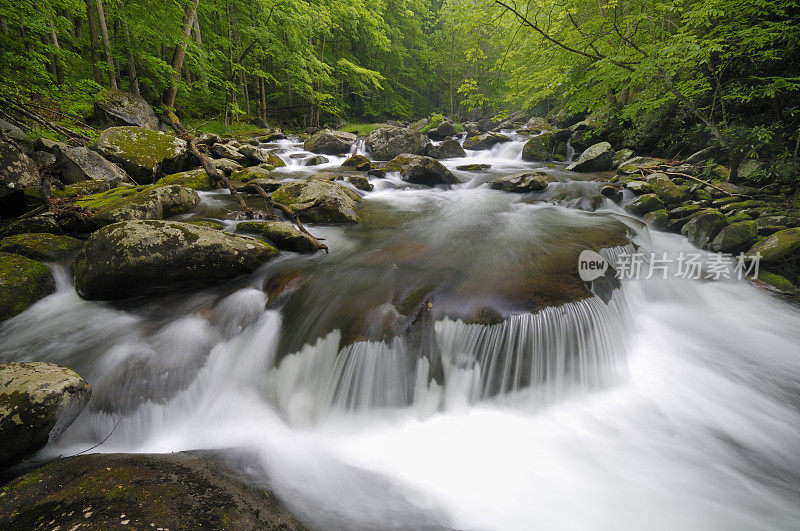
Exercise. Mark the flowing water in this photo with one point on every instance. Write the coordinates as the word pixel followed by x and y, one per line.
pixel 443 368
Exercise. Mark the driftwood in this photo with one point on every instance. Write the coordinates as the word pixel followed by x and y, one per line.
pixel 60 129
pixel 294 216
pixel 690 177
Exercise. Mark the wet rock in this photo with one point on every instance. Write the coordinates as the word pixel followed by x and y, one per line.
pixel 41 246
pixel 775 282
pixel 657 219
pixel 315 161
pixel 621 156
pixel 226 166
pixel 142 153
pixel 685 211
pixel 135 258
pixel 81 164
pixel 541 147
pixel 283 234
pixel 703 227
pixel 735 237
pixel 644 203
pixel 38 401
pixel 387 142
pixel 257 155
pixel 599 157
pixel 633 165
pixel 268 184
pixel 780 253
pixel 484 141
pixel 118 108
pixel 137 202
pixel 538 124
pixel 319 201
pixel 41 223
pixel 449 149
pixel 443 130
pixel 17 171
pixel 639 187
pixel 22 282
pixel 419 169
pixel 665 189
pixel 141 491
pixel 358 162
pixel 250 173
pixel 330 142
pixel 360 182
pixel 611 191
pixel 227 151
pixel 474 167
pixel 196 179
pixel 534 181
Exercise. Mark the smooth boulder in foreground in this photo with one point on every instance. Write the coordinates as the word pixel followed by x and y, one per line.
pixel 38 401
pixel 22 282
pixel 330 142
pixel 599 157
pixel 418 169
pixel 135 258
pixel 319 201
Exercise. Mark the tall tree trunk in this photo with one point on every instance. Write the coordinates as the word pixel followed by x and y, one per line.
pixel 57 69
pixel 134 79
pixel 101 20
pixel 198 39
pixel 180 54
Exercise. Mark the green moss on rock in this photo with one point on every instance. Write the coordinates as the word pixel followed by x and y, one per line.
pixel 776 281
pixel 194 179
pixel 22 282
pixel 41 246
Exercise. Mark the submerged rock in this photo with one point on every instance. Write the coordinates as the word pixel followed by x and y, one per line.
pixel 330 142
pixel 115 107
pixel 137 202
pixel 142 153
pixel 319 201
pixel 534 181
pixel 449 149
pixel 140 491
pixel 388 142
pixel 283 234
pixel 144 257
pixel 22 282
pixel 419 169
pixel 599 157
pixel 41 246
pixel 38 401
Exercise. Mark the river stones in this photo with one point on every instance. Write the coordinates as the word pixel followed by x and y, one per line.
pixel 22 282
pixel 418 169
pixel 358 162
pixel 142 153
pixel 319 201
pixel 644 203
pixel 283 234
pixel 41 246
pixel 598 157
pixel 449 149
pixel 443 130
pixel 227 151
pixel 657 219
pixel 38 401
pixel 144 257
pixel 256 155
pixel 330 142
pixel 735 237
pixel 17 171
pixel 634 164
pixel 665 189
pixel 196 179
pixel 80 164
pixel 139 202
pixel 484 141
pixel 534 181
pixel 140 491
pixel 388 142
pixel 703 227
pixel 780 253
pixel 115 107
pixel 541 147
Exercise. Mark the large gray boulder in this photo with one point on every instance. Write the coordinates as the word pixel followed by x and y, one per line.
pixel 115 107
pixel 319 201
pixel 22 282
pixel 330 142
pixel 599 157
pixel 449 149
pixel 38 401
pixel 227 151
pixel 541 147
pixel 704 227
pixel 664 188
pixel 137 202
pixel 145 155
pixel 444 130
pixel 735 237
pixel 256 155
pixel 534 181
pixel 484 141
pixel 283 234
pixel 780 252
pixel 134 258
pixel 389 141
pixel 17 170
pixel 81 164
pixel 419 169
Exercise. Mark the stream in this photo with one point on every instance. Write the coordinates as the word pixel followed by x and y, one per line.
pixel 671 403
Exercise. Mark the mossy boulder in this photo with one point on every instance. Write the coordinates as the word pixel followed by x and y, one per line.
pixel 115 107
pixel 283 234
pixel 22 282
pixel 780 253
pixel 540 147
pixel 250 173
pixel 387 142
pixel 330 142
pixel 319 201
pixel 227 151
pixel 81 163
pixel 703 227
pixel 196 179
pixel 639 187
pixel 473 167
pixel 42 223
pixel 143 154
pixel 41 246
pixel 525 182
pixel 358 162
pixel 657 219
pixel 598 157
pixel 82 188
pixel 134 258
pixel 665 189
pixel 484 141
pixel 256 155
pixel 207 223
pixel 634 164
pixel 644 203
pixel 621 156
pixel 449 149
pixel 735 237
pixel 776 282
pixel 418 169
pixel 360 182
pixel 38 401
pixel 137 202
pixel 443 130
pixel 140 491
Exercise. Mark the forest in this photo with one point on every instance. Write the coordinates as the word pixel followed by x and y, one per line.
pixel 669 77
